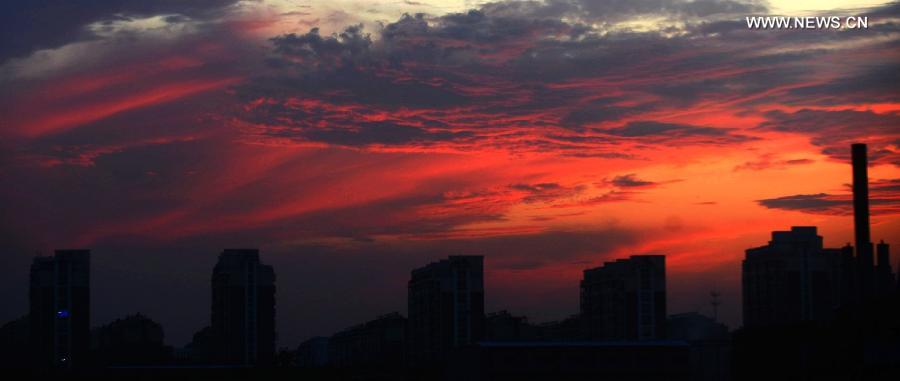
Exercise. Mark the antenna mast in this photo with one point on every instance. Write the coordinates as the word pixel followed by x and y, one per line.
pixel 714 296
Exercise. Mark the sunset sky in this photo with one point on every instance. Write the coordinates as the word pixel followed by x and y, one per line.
pixel 351 141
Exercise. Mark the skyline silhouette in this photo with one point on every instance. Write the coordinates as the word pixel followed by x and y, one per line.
pixel 330 148
pixel 791 285
pixel 843 275
pixel 536 135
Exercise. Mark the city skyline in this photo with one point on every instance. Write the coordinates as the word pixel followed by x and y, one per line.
pixel 620 278
pixel 446 306
pixel 548 137
pixel 794 290
pixel 859 219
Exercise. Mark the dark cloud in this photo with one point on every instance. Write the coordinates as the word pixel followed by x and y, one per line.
pixel 381 133
pixel 511 74
pixel 473 26
pixel 659 131
pixel 820 203
pixel 26 26
pixel 546 192
pixel 631 181
pixel 872 84
pixel 768 162
pixel 608 11
pixel 884 199
pixel 323 53
pixel 602 110
pixel 605 198
pixel 499 70
pixel 834 131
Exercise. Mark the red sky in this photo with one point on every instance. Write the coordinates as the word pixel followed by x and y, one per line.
pixel 545 138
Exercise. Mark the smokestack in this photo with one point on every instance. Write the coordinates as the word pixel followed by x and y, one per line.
pixel 861 196
pixel 864 252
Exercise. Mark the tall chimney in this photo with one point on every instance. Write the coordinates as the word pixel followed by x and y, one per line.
pixel 861 217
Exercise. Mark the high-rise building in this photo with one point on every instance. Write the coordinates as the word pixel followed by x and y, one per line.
pixel 792 279
pixel 59 316
pixel 625 299
pixel 243 309
pixel 446 308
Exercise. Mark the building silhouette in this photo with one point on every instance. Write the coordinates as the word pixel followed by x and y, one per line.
pixel 831 312
pixel 504 326
pixel 133 340
pixel 14 344
pixel 647 360
pixel 567 329
pixel 625 299
pixel 313 353
pixel 202 349
pixel 793 279
pixel 446 308
pixel 709 341
pixel 376 344
pixel 60 305
pixel 242 326
pixel 885 282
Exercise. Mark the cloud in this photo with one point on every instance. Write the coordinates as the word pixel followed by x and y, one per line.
pixel 661 132
pixel 508 78
pixel 820 203
pixel 631 181
pixel 323 53
pixel 835 131
pixel 612 196
pixel 471 81
pixel 547 192
pixel 769 162
pixel 870 84
pixel 884 199
pixel 47 24
pixel 602 110
pixel 611 11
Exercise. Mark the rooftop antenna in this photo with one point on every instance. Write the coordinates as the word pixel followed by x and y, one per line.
pixel 714 296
